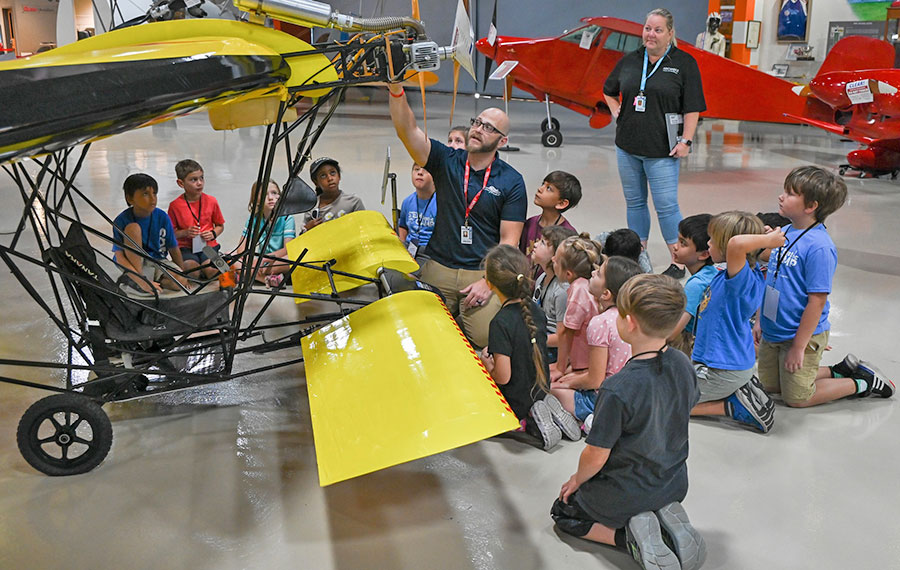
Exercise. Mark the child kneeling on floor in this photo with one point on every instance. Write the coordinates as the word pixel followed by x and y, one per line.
pixel 517 342
pixel 632 473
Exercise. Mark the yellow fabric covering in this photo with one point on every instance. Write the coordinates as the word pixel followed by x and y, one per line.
pixel 396 381
pixel 361 242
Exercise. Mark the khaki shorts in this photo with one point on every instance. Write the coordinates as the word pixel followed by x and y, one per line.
pixel 474 321
pixel 796 387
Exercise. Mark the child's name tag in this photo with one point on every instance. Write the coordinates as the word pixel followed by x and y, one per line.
pixel 640 103
pixel 465 235
pixel 770 303
pixel 412 248
pixel 197 244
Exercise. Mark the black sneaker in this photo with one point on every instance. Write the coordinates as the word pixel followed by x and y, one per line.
pixel 751 405
pixel 674 272
pixel 878 384
pixel 644 541
pixel 846 367
pixel 543 421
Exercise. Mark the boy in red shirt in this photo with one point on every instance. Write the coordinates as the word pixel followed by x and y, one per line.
pixel 196 216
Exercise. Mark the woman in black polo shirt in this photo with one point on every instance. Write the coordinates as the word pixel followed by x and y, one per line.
pixel 658 83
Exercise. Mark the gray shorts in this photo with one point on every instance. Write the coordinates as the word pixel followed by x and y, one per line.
pixel 718 384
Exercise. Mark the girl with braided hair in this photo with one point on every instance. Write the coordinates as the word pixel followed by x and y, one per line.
pixel 517 343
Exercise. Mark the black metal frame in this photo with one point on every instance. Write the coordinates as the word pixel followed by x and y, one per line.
pixel 52 203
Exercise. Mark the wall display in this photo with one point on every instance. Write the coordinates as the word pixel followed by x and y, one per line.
pixel 839 30
pixel 753 28
pixel 780 69
pixel 793 21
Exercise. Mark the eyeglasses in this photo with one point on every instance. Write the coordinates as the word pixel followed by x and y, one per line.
pixel 486 127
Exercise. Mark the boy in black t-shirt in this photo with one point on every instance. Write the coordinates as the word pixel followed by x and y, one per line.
pixel 632 474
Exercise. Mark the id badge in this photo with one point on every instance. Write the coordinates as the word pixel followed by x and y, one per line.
pixel 412 248
pixel 197 244
pixel 770 303
pixel 640 103
pixel 465 235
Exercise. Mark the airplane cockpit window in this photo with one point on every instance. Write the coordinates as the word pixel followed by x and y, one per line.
pixel 622 42
pixel 578 35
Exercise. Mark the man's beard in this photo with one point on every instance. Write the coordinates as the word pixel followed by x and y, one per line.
pixel 478 147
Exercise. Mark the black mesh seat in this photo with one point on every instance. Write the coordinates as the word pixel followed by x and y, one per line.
pixel 124 319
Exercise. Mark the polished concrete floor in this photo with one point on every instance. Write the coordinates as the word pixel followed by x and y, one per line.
pixel 224 476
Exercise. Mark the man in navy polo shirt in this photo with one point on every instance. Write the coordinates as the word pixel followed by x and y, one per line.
pixel 469 222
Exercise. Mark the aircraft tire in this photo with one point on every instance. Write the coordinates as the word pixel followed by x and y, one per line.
pixel 551 138
pixel 56 423
pixel 842 170
pixel 553 122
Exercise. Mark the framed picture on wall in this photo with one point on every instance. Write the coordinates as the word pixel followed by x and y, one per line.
pixel 779 69
pixel 793 20
pixel 753 27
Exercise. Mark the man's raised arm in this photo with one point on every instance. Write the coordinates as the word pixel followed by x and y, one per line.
pixel 417 144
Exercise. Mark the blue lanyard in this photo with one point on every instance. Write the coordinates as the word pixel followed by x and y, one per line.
pixel 644 76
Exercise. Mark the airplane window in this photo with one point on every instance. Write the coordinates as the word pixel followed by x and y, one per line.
pixel 613 41
pixel 632 43
pixel 575 37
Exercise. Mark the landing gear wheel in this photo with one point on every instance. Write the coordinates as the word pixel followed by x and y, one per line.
pixel 553 122
pixel 842 170
pixel 64 434
pixel 894 174
pixel 552 138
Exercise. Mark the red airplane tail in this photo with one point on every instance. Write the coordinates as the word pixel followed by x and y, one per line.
pixel 858 52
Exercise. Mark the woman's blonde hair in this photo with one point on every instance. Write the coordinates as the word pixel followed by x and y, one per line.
pixel 670 21
pixel 507 269
pixel 726 225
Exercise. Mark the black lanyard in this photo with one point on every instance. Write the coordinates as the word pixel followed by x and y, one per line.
pixel 421 213
pixel 783 253
pixel 543 293
pixel 658 357
pixel 199 209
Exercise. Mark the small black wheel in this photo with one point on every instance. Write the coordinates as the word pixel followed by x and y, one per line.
pixel 553 122
pixel 64 434
pixel 842 170
pixel 551 139
pixel 894 174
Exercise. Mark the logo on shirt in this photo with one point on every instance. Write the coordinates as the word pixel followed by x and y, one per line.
pixel 790 258
pixel 674 70
pixel 492 191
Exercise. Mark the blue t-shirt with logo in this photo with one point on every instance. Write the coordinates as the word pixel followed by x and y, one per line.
pixel 157 233
pixel 693 290
pixel 504 199
pixel 807 267
pixel 417 216
pixel 724 336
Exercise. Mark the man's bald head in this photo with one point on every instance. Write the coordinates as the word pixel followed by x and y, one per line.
pixel 482 141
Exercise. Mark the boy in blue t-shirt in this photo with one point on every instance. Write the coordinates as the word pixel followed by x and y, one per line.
pixel 794 315
pixel 724 356
pixel 692 251
pixel 143 225
pixel 417 215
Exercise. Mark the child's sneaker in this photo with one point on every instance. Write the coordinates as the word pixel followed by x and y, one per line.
pixel 542 419
pixel 743 407
pixel 566 421
pixel 878 384
pixel 678 533
pixel 846 367
pixel 588 423
pixel 644 541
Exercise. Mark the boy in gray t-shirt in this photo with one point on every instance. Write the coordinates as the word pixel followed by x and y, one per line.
pixel 632 474
pixel 549 290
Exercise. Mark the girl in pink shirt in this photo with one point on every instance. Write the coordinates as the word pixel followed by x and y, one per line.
pixel 574 260
pixel 608 352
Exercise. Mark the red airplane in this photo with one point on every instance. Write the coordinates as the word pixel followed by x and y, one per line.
pixel 864 104
pixel 570 70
